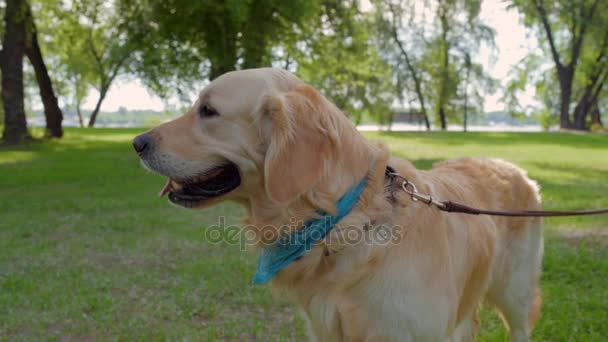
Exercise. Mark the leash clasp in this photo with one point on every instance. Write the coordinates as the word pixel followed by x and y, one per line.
pixel 415 195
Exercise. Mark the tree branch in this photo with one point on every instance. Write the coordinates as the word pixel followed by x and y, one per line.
pixel 602 52
pixel 599 84
pixel 579 10
pixel 545 21
pixel 97 57
pixel 116 69
pixel 601 68
pixel 578 39
pixel 410 66
pixel 395 35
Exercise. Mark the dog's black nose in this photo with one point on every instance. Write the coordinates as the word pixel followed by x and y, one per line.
pixel 143 143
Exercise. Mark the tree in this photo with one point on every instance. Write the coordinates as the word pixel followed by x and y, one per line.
pixel 181 42
pixel 21 39
pixel 324 41
pixel 434 52
pixel 565 27
pixel 1 109
pixel 596 116
pixel 591 77
pixel 443 43
pixel 109 60
pixel 391 25
pixel 92 48
pixel 338 56
pixel 468 65
pixel 52 112
pixel 107 48
pixel 11 64
pixel 460 34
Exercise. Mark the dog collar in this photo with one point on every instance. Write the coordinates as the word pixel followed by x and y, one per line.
pixel 292 246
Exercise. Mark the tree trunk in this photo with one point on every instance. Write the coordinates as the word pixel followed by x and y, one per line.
pixel 565 76
pixel 418 87
pixel 565 73
pixel 425 115
pixel 596 116
pixel 254 40
pixel 11 64
pixel 52 112
pixel 444 122
pixel 79 112
pixel 580 118
pixel 93 117
pixel 445 64
pixel 466 95
pixel 414 73
pixel 1 102
pixel 223 52
pixel 221 41
pixel 582 109
pixel 218 70
pixel 588 101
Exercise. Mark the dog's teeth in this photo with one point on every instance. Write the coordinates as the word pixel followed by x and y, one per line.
pixel 165 188
pixel 175 185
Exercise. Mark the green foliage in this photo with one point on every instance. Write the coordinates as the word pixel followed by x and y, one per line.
pixel 530 73
pixel 326 42
pixel 339 58
pixel 182 42
pixel 546 119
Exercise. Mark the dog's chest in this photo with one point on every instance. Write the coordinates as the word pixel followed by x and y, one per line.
pixel 350 317
pixel 323 318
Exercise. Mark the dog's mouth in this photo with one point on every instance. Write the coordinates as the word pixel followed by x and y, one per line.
pixel 211 184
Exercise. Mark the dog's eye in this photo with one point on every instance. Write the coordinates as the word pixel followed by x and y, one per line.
pixel 206 111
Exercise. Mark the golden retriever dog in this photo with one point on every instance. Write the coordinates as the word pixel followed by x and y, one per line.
pixel 268 141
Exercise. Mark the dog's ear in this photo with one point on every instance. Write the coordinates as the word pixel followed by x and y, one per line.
pixel 302 136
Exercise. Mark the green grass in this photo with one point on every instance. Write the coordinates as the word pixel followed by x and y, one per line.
pixel 87 250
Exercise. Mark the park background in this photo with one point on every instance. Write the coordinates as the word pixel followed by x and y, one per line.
pixel 87 252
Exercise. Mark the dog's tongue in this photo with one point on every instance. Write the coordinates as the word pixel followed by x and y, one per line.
pixel 166 188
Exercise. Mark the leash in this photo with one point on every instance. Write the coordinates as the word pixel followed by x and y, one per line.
pixel 454 207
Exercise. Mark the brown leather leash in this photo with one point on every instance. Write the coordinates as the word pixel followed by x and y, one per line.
pixel 454 207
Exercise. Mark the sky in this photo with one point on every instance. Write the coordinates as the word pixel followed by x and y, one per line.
pixel 511 39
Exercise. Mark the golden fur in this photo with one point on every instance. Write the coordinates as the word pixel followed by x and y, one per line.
pixel 297 153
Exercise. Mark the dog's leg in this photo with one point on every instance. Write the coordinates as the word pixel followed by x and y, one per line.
pixel 514 290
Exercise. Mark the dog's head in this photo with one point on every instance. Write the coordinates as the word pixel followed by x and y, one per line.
pixel 259 132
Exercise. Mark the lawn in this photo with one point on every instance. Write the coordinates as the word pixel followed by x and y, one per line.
pixel 87 250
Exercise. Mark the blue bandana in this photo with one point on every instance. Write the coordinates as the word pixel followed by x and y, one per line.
pixel 290 247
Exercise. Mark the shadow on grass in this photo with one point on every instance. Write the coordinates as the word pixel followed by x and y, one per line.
pixel 573 183
pixel 582 173
pixel 58 154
